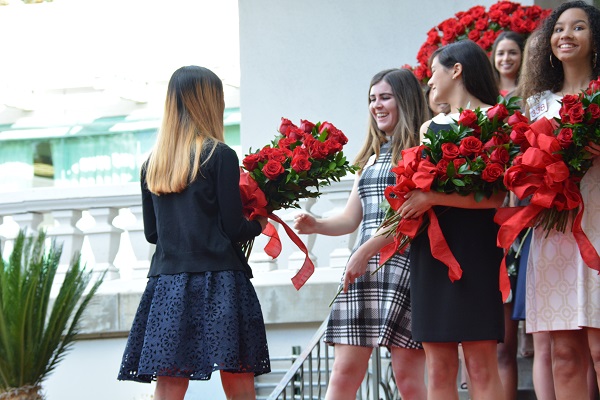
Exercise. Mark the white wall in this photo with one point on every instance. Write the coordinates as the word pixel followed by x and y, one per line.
pixel 314 59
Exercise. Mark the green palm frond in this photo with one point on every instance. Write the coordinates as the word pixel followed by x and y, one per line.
pixel 35 335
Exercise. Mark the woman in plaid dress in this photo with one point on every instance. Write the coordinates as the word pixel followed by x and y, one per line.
pixel 374 310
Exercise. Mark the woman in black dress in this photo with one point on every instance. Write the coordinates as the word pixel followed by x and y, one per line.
pixel 468 311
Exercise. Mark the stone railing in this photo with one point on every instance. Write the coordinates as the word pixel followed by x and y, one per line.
pixel 104 224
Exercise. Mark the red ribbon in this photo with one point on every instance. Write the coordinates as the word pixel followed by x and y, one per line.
pixel 414 172
pixel 542 173
pixel 254 204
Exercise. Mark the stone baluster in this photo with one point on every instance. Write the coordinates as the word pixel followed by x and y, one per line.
pixel 343 244
pixel 64 231
pixel 141 248
pixel 103 239
pixel 297 257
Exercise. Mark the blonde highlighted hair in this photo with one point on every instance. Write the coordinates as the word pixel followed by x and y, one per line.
pixel 192 127
pixel 412 113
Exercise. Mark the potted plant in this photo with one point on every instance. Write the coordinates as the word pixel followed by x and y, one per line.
pixel 35 333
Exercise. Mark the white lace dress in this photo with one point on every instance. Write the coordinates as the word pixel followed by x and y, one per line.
pixel 563 293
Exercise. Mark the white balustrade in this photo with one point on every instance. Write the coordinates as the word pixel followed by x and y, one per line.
pixel 105 225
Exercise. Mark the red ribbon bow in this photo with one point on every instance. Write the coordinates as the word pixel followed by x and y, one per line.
pixel 543 174
pixel 414 172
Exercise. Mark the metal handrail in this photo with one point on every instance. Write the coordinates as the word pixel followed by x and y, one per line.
pixel 375 383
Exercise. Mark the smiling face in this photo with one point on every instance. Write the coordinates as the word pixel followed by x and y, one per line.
pixel 507 58
pixel 383 107
pixel 571 39
pixel 441 82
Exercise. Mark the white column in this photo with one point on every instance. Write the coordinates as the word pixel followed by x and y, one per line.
pixel 66 234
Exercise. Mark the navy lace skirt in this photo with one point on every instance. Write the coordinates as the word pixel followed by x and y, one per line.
pixel 189 325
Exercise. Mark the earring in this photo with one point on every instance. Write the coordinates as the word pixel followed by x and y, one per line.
pixel 594 60
pixel 552 65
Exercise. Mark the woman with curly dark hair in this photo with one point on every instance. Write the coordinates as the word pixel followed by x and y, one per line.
pixel 563 294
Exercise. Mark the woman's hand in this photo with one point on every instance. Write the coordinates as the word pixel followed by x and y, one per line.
pixel 262 221
pixel 417 202
pixel 356 267
pixel 593 149
pixel 305 224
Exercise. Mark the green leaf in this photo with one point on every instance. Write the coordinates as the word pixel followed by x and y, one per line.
pixel 457 182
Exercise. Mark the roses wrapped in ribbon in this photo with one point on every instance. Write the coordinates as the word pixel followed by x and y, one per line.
pixel 468 159
pixel 550 170
pixel 294 166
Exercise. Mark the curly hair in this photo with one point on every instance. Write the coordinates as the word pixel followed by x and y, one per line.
pixel 543 76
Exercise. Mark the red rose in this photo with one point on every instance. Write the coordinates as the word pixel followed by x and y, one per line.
pixel 564 114
pixel 295 133
pixel 317 149
pixel 474 35
pixel 470 146
pixel 441 169
pixel 492 172
pixel 264 153
pixel 286 142
pixel 500 155
pixel 594 111
pixel 306 126
pixel 285 126
pixel 468 118
pixel 565 137
pixel 533 12
pixel 477 12
pixel 300 164
pixel 449 151
pixel 251 161
pixel 272 169
pixel 569 100
pixel 466 19
pixel 277 155
pixel 516 118
pixel 518 134
pixel 339 137
pixel 594 85
pixel 433 37
pixel 498 111
pixel 481 24
pixel 332 146
pixel 576 113
pixel 300 151
pixel 457 163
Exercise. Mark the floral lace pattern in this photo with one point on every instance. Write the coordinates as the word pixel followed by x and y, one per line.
pixel 189 325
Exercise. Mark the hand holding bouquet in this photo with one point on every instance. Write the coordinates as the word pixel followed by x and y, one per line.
pixel 554 160
pixel 470 158
pixel 295 165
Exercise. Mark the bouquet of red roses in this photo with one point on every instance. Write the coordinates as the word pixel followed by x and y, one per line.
pixel 470 158
pixel 480 26
pixel 550 169
pixel 293 166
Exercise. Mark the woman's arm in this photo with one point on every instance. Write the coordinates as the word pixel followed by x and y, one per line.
pixel 342 224
pixel 417 202
pixel 357 264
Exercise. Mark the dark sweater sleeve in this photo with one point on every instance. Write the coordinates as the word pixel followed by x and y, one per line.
pixel 148 214
pixel 236 226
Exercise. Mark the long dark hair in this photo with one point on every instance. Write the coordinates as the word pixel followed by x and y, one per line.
pixel 507 35
pixel 543 75
pixel 477 73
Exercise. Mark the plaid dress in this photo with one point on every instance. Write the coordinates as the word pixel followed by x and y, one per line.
pixel 376 309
